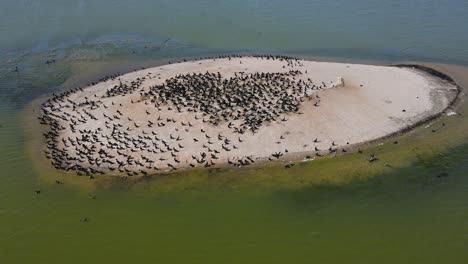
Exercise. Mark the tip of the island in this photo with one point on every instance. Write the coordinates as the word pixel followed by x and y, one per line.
pixel 232 110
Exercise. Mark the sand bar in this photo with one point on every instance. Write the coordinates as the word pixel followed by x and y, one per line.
pixel 233 110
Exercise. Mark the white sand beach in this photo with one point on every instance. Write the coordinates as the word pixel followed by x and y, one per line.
pixel 133 131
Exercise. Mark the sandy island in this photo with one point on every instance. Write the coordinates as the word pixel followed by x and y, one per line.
pixel 233 110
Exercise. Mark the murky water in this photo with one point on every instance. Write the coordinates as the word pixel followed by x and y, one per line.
pixel 415 213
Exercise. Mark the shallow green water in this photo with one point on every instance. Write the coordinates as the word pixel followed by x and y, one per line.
pixel 417 214
pixel 409 216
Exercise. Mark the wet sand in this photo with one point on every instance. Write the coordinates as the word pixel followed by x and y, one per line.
pixel 349 104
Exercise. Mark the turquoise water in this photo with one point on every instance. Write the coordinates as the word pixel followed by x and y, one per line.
pixel 410 215
pixel 400 29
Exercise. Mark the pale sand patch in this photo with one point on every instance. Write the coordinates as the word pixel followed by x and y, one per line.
pixel 374 101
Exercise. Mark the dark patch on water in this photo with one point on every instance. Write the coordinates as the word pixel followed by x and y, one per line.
pixel 436 174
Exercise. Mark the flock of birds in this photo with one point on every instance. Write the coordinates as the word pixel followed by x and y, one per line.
pixel 246 101
pixel 94 133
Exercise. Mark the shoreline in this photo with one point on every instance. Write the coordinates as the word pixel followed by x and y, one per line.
pixel 350 146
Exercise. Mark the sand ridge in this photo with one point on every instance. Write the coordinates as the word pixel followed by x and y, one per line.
pixel 233 110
